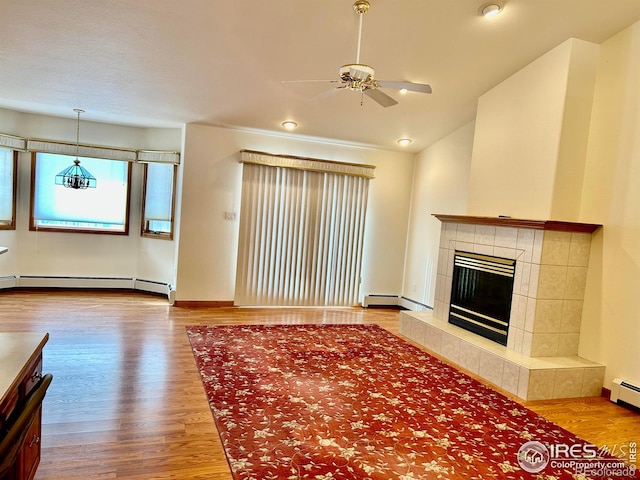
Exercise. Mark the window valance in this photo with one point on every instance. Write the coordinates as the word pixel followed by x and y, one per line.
pixel 13 142
pixel 91 151
pixel 304 163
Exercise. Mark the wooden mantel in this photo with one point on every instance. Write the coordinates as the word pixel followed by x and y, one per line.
pixel 520 223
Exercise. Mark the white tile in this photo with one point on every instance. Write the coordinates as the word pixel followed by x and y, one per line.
pixel 530 315
pixel 576 283
pixel 443 255
pixel 466 232
pixel 450 262
pixel 451 231
pixel 541 384
pixel 506 237
pixel 571 316
pixel 592 382
pixel 534 280
pixel 438 309
pixel 518 340
pixel 404 325
pixel 464 246
pixel 548 317
pixel 523 383
pixel 510 377
pixel 450 347
pixel 483 249
pixel 525 243
pixel 469 357
pixel 517 278
pixel 527 340
pixel 514 316
pixel 544 345
pixel 555 248
pixel 433 339
pixel 491 367
pixel 568 344
pixel 552 283
pixel 439 293
pixel 580 249
pixel 418 329
pixel 525 271
pixel 522 312
pixel 568 383
pixel 485 235
pixel 504 252
pixel 537 246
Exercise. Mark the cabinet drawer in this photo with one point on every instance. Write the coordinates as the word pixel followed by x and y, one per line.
pixel 33 376
pixel 30 455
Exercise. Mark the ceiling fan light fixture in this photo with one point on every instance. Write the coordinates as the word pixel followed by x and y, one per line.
pixel 490 9
pixel 289 125
pixel 404 141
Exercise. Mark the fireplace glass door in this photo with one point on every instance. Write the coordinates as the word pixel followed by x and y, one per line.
pixel 481 294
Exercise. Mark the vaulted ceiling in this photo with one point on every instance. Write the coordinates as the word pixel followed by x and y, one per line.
pixel 163 63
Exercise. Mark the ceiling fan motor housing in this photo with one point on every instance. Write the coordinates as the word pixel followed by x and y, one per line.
pixel 356 72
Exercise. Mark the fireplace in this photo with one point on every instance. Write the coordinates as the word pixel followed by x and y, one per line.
pixel 481 293
pixel 550 258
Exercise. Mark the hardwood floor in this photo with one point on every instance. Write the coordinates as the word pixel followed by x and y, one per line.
pixel 126 401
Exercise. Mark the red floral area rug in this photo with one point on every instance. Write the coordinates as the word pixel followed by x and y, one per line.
pixel 325 402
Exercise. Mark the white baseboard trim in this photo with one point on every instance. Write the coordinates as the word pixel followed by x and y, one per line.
pixel 8 282
pixel 32 281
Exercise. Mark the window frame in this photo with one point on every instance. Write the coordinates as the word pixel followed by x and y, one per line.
pixel 65 229
pixel 145 231
pixel 11 223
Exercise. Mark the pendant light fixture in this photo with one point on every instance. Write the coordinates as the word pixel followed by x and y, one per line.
pixel 75 176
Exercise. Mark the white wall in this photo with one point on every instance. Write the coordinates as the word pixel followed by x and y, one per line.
pixel 611 196
pixel 91 255
pixel 440 185
pixel 525 127
pixel 211 186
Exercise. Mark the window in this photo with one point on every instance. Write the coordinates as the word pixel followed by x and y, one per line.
pixel 158 200
pixel 8 188
pixel 103 209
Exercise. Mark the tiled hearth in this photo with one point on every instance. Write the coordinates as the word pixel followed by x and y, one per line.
pixel 540 360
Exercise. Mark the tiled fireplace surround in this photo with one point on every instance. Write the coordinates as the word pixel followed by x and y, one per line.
pixel 541 358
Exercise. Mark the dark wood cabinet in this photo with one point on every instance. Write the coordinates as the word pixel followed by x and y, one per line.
pixel 22 390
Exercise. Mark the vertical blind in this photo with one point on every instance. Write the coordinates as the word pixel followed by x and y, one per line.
pixel 301 237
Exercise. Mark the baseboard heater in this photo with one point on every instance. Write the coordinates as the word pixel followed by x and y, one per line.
pixel 380 301
pixel 625 393
pixel 31 281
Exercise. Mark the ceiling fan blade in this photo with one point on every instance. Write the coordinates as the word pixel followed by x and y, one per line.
pixel 412 87
pixel 380 97
pixel 327 93
pixel 308 81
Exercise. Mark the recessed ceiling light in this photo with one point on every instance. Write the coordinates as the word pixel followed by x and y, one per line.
pixel 404 141
pixel 289 125
pixel 490 9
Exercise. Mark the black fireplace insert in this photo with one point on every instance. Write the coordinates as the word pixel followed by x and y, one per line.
pixel 481 294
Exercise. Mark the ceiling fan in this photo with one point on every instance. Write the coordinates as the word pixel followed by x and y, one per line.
pixel 361 78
